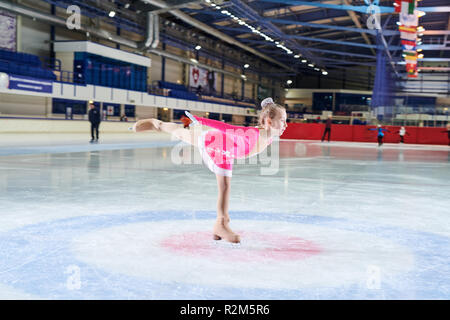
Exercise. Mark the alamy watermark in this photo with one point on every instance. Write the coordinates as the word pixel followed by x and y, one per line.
pixel 373 22
pixel 373 280
pixel 74 20
pixel 73 281
pixel 227 147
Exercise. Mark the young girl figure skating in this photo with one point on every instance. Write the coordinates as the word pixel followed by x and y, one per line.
pixel 220 145
pixel 380 135
pixel 402 133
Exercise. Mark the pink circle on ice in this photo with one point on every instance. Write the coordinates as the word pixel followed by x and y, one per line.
pixel 257 246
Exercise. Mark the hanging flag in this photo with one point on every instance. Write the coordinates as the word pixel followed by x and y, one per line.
pixel 412 6
pixel 408 36
pixel 405 6
pixel 409 42
pixel 411 66
pixel 398 5
pixel 411 20
pixel 409 53
pixel 408 47
pixel 407 29
pixel 411 59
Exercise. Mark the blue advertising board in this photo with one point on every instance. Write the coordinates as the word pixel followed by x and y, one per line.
pixel 30 84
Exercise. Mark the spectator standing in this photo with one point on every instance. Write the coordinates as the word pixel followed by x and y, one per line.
pixel 94 119
pixel 327 128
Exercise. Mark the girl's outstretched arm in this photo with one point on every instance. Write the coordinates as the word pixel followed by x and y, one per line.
pixel 219 125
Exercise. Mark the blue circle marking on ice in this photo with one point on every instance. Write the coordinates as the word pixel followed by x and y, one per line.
pixel 40 260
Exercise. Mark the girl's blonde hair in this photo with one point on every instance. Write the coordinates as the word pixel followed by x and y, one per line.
pixel 269 109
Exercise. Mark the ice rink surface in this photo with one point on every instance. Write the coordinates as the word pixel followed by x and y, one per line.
pixel 122 219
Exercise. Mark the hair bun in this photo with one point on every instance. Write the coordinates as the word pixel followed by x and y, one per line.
pixel 266 102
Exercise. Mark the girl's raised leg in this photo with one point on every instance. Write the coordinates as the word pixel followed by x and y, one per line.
pixel 186 135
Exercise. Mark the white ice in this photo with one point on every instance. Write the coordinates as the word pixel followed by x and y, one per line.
pixel 369 208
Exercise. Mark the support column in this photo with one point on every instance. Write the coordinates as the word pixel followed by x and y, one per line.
pixel 223 79
pixel 52 35
pixel 163 61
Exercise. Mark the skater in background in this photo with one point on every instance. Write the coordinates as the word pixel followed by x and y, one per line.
pixel 448 132
pixel 380 135
pixel 327 128
pixel 402 133
pixel 186 121
pixel 94 119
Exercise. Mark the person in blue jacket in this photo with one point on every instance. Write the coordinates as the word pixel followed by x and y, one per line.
pixel 380 134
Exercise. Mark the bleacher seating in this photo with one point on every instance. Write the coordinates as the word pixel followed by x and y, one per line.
pixel 24 64
pixel 172 86
pixel 98 70
pixel 177 90
pixel 182 94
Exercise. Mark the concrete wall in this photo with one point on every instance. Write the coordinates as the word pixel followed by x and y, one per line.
pixel 24 105
pixel 59 126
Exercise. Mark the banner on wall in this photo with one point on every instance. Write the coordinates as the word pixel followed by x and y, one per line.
pixel 8 30
pixel 204 78
pixel 30 84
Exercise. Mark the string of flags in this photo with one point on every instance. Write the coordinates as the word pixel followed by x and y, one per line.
pixel 410 33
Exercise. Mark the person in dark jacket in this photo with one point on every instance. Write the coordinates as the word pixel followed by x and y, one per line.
pixel 94 119
pixel 327 128
pixel 448 132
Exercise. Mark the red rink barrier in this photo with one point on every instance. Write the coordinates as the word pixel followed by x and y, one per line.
pixel 360 133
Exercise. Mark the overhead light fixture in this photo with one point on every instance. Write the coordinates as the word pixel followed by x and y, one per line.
pixel 127 5
pixel 194 60
pixel 207 1
pixel 289 81
pixel 311 65
pixel 213 4
pixel 246 65
pixel 297 56
pixel 304 61
pixel 112 14
pixel 198 47
pixel 324 73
